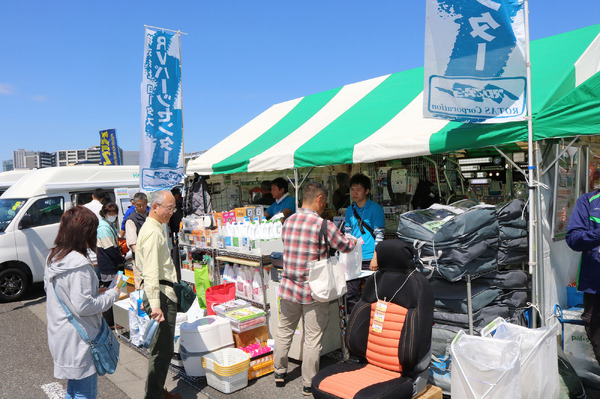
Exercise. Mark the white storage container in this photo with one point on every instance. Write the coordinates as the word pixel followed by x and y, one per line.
pixel 201 337
pixel 206 334
pixel 176 359
pixel 227 369
pixel 192 361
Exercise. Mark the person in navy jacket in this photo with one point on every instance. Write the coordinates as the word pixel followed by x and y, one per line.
pixel 583 235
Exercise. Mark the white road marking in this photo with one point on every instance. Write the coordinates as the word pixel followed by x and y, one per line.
pixel 54 390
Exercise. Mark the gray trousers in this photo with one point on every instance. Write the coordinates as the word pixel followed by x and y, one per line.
pixel 161 349
pixel 314 318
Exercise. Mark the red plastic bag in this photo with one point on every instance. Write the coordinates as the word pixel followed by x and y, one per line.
pixel 218 294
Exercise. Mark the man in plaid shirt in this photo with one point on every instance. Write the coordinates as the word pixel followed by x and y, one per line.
pixel 300 236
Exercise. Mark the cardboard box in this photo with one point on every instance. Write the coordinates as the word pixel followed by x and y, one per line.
pixel 249 337
pixel 229 217
pixel 430 392
pixel 219 219
pixel 250 212
pixel 240 214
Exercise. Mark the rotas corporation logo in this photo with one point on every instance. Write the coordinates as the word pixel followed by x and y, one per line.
pixel 156 179
pixel 488 92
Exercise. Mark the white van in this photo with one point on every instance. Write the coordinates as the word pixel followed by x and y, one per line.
pixel 30 212
pixel 10 177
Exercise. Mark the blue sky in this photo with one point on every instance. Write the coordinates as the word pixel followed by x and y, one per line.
pixel 71 68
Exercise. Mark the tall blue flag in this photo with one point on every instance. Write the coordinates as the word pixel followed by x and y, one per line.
pixel 161 147
pixel 475 68
pixel 109 150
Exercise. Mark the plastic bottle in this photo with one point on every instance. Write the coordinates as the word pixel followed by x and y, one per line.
pixel 277 226
pixel 235 237
pixel 270 233
pixel 239 281
pixel 248 283
pixel 228 273
pixel 257 292
pixel 228 237
pixel 243 235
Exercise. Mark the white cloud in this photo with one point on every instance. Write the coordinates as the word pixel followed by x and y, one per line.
pixel 6 89
pixel 39 97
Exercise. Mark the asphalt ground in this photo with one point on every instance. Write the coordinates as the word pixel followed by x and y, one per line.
pixel 27 369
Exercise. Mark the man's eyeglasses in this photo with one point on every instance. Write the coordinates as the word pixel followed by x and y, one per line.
pixel 168 208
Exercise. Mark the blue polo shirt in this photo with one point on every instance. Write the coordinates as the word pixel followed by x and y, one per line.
pixel 278 206
pixel 372 215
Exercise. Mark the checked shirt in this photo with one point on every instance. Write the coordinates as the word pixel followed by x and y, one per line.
pixel 300 236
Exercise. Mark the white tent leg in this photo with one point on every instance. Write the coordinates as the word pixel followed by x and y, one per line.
pixel 295 183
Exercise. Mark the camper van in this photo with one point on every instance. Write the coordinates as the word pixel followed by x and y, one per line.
pixel 9 178
pixel 30 212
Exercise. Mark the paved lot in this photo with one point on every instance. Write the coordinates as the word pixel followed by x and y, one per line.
pixel 26 369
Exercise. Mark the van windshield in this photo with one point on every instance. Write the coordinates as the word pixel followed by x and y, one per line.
pixel 8 209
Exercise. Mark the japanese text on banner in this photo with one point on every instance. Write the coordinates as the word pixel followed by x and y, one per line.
pixel 109 150
pixel 161 152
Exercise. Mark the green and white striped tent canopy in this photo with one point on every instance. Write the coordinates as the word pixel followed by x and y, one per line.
pixel 381 118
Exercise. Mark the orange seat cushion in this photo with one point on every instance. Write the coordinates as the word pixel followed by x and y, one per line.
pixel 346 385
pixel 382 347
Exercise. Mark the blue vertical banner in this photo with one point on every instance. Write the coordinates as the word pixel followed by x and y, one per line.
pixel 475 70
pixel 109 149
pixel 161 147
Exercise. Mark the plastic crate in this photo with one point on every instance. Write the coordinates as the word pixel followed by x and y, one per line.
pixel 227 369
pixel 260 365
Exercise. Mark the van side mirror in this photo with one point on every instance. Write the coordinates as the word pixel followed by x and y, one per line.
pixel 26 222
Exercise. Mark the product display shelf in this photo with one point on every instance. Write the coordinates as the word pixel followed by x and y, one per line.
pixel 247 259
pixel 188 275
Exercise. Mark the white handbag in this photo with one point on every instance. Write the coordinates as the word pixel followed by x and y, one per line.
pixel 351 262
pixel 325 276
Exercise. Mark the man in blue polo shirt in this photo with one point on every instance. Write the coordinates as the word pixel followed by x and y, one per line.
pixel 283 202
pixel 364 218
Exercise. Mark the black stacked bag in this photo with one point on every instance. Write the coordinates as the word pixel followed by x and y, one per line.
pixel 469 239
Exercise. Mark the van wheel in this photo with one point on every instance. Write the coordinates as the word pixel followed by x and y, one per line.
pixel 13 284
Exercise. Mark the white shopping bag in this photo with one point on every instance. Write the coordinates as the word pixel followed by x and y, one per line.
pixel 351 262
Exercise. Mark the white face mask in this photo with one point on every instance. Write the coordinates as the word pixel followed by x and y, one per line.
pixel 111 218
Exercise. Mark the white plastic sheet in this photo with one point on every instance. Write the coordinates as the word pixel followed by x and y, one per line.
pixel 539 364
pixel 485 368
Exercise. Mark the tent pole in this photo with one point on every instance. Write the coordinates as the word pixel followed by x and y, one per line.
pixel 533 269
pixel 540 246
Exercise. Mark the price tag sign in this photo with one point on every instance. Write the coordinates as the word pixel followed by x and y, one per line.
pixel 379 316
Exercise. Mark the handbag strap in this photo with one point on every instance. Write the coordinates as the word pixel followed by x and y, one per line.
pixel 323 234
pixel 72 318
pixel 361 223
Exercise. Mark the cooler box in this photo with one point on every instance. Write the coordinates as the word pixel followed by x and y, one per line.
pixel 201 337
pixel 121 313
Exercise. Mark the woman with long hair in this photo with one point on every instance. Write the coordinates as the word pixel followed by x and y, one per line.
pixel 70 275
